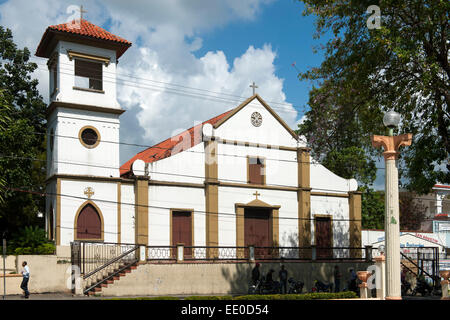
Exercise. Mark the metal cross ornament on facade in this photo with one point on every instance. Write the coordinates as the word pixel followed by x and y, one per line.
pixel 89 192
pixel 253 86
pixel 256 194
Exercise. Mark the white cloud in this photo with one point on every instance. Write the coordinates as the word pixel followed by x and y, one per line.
pixel 165 35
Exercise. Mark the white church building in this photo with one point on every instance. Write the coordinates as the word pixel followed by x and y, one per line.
pixel 243 178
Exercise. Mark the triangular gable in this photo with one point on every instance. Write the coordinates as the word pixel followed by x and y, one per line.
pixel 265 105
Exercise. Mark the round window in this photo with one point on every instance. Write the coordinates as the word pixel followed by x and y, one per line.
pixel 89 137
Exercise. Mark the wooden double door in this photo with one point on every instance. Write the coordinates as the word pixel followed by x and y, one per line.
pixel 257 231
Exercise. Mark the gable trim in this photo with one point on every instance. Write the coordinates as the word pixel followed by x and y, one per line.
pixel 265 105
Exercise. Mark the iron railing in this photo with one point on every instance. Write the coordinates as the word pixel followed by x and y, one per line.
pixel 213 253
pixel 99 261
pixel 425 259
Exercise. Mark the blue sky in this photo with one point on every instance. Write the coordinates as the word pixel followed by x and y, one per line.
pixel 291 35
pixel 211 48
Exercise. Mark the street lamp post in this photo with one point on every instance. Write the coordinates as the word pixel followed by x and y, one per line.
pixel 391 145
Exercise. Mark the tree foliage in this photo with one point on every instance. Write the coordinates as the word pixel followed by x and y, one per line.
pixel 412 211
pixel 403 65
pixel 372 211
pixel 22 137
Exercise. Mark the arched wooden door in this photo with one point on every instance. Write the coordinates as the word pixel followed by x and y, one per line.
pixel 89 224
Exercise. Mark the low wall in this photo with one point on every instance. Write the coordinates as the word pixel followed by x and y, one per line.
pixel 47 274
pixel 218 278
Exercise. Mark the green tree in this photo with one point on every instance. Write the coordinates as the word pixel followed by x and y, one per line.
pixel 4 120
pixel 22 137
pixel 403 65
pixel 412 211
pixel 372 210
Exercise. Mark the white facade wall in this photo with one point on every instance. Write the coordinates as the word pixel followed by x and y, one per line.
pixel 163 198
pixel 69 156
pixel 187 166
pixel 338 210
pixel 73 198
pixel 280 165
pixel 323 180
pixel 127 213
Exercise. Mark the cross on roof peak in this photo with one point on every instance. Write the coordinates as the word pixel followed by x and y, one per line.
pixel 81 12
pixel 253 86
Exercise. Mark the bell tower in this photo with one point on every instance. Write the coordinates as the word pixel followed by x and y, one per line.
pixel 83 113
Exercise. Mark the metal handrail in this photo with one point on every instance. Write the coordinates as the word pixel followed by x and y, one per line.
pixel 417 266
pixel 110 262
pixel 110 276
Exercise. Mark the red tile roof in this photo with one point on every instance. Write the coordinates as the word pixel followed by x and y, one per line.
pixel 165 148
pixel 81 28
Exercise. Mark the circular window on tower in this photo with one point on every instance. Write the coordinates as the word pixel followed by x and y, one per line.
pixel 89 137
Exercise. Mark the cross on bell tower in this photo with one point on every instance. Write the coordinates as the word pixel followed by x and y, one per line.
pixel 253 86
pixel 81 12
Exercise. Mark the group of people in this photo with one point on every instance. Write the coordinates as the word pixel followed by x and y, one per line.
pixel 352 283
pixel 283 278
pixel 282 274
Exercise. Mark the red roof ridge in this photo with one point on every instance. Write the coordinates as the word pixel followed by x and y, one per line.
pixel 87 28
pixel 80 28
pixel 164 149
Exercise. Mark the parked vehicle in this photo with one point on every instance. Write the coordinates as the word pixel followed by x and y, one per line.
pixel 254 288
pixel 295 286
pixel 264 287
pixel 320 286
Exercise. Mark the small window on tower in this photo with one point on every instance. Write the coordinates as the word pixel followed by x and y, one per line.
pixel 89 137
pixel 88 75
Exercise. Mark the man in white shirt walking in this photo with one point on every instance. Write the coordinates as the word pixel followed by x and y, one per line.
pixel 26 276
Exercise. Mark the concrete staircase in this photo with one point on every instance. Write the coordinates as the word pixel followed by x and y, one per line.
pixel 109 279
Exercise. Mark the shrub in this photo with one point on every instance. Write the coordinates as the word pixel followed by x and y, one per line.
pixel 31 240
pixel 209 298
pixel 304 296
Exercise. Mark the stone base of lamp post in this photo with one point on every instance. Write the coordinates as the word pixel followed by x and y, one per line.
pixel 445 287
pixel 380 278
pixel 445 284
pixel 363 276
